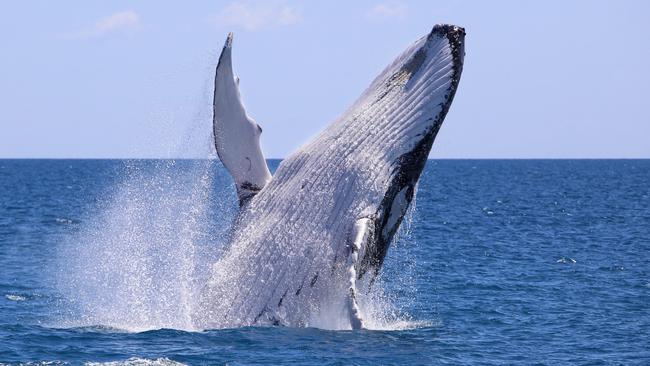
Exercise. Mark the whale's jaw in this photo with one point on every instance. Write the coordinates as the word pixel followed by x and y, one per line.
pixel 328 215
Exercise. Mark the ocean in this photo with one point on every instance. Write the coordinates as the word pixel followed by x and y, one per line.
pixel 542 262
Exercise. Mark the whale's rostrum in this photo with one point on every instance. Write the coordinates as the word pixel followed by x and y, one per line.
pixel 305 239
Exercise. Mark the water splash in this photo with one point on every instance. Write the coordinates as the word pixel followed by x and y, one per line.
pixel 144 255
pixel 135 361
pixel 13 297
pixel 140 263
pixel 145 252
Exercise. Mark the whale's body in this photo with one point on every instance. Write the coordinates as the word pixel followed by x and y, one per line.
pixel 324 222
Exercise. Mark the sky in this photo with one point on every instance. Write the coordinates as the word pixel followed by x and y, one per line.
pixel 118 79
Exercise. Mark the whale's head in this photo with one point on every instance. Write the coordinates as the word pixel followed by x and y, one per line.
pixel 406 106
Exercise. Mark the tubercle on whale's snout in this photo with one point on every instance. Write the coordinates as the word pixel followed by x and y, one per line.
pixel 456 38
pixel 446 29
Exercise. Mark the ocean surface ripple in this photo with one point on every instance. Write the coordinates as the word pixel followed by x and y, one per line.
pixel 503 262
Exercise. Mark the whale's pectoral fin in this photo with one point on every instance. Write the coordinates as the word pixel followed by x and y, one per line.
pixel 361 236
pixel 236 135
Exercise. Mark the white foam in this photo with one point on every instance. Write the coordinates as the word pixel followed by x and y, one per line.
pixel 135 361
pixel 15 297
pixel 566 260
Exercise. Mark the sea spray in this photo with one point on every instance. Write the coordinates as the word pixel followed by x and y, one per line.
pixel 140 262
pixel 147 248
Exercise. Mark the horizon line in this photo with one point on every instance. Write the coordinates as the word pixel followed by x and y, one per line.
pixel 268 159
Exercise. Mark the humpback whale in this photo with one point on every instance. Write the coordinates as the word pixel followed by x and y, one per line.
pixel 310 238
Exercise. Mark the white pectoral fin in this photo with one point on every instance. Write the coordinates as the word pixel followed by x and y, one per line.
pixel 237 136
pixel 361 234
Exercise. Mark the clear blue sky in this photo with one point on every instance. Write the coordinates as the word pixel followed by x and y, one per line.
pixel 544 79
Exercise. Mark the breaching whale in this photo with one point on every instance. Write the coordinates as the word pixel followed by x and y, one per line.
pixel 307 239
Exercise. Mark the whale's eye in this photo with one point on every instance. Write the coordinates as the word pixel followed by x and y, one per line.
pixel 259 128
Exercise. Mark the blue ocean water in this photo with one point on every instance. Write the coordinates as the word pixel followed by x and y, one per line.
pixel 503 262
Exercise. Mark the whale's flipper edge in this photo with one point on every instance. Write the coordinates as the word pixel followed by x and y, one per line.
pixel 236 135
pixel 362 232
